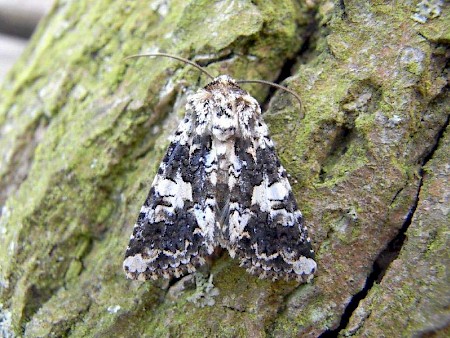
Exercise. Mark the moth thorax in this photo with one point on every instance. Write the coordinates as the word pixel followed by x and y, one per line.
pixel 223 134
pixel 224 125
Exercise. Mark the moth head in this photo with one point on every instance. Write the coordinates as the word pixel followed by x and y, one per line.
pixel 224 85
pixel 232 111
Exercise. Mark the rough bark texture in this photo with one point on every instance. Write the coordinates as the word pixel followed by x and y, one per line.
pixel 82 132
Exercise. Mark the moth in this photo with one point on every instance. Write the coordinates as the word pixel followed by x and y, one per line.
pixel 220 184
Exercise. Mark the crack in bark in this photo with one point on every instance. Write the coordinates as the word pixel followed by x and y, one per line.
pixel 208 59
pixel 397 194
pixel 389 254
pixel 289 64
pixel 341 5
pixel 234 309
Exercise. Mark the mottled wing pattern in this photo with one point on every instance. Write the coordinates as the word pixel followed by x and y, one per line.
pixel 175 228
pixel 265 228
pixel 220 183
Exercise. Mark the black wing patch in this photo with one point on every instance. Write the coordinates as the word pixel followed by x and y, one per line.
pixel 175 229
pixel 265 229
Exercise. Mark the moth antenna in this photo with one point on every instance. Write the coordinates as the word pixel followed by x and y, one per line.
pixel 276 86
pixel 179 58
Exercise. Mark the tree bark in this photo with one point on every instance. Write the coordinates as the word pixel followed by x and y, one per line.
pixel 82 133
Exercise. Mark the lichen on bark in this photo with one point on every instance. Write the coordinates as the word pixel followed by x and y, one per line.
pixel 82 132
